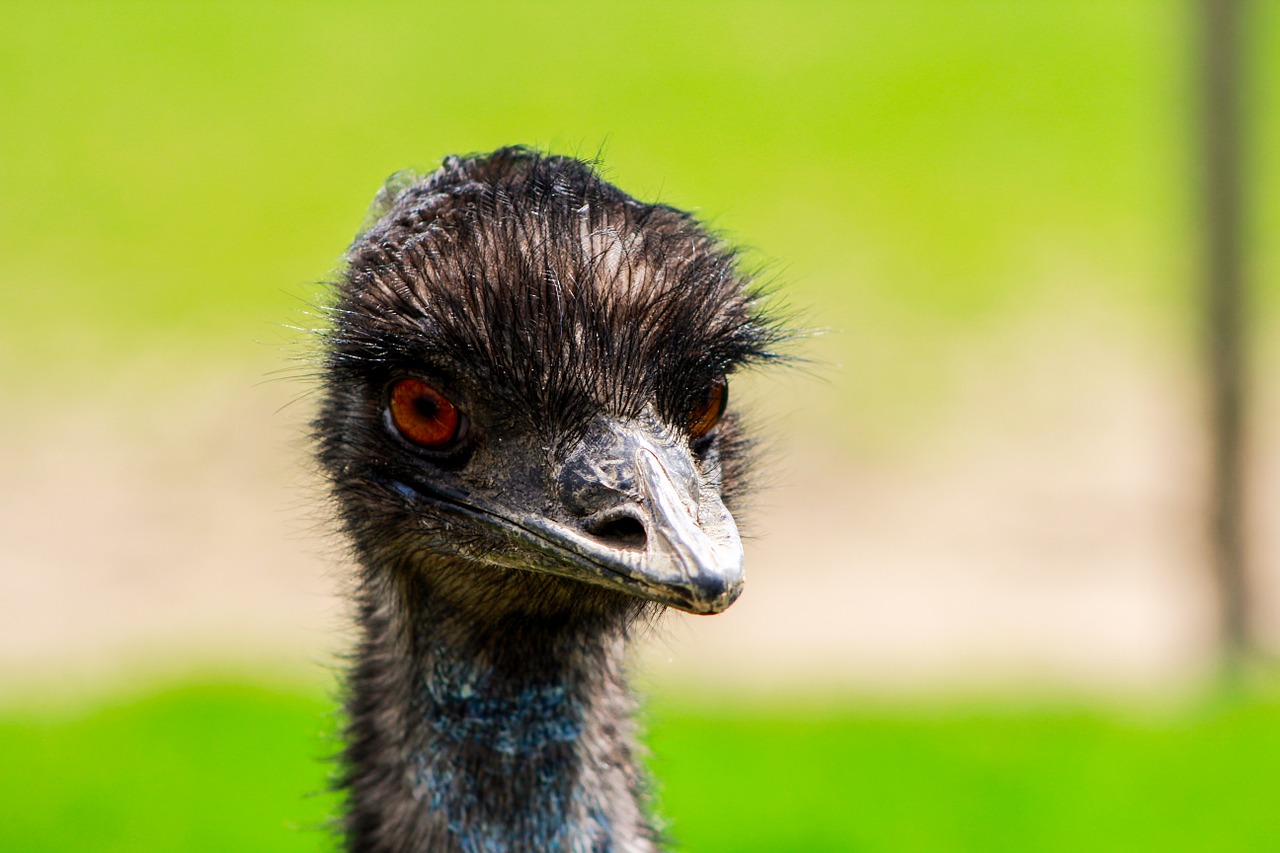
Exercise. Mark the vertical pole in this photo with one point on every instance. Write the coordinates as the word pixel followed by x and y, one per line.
pixel 1224 291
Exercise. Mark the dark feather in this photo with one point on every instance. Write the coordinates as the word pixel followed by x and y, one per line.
pixel 488 705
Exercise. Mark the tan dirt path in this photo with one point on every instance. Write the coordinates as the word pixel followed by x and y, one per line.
pixel 179 528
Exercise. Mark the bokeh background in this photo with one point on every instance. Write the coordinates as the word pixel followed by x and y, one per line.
pixel 980 614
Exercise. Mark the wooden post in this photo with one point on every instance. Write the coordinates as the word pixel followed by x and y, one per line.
pixel 1226 339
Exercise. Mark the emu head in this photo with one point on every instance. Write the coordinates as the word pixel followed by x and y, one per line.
pixel 525 391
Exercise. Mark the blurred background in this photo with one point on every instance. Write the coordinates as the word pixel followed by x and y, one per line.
pixel 982 612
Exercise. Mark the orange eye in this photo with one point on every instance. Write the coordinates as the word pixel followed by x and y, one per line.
pixel 707 413
pixel 422 414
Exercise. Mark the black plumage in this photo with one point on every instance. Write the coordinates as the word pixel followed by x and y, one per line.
pixel 523 385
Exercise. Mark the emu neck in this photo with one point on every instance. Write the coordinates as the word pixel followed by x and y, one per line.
pixel 483 730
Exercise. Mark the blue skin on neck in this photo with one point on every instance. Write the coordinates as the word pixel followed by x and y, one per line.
pixel 519 731
pixel 519 724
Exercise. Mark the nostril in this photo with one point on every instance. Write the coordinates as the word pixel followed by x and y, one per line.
pixel 621 532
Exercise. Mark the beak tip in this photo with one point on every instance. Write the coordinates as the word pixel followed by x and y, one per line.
pixel 715 593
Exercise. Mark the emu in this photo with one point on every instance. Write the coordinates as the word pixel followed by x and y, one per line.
pixel 524 424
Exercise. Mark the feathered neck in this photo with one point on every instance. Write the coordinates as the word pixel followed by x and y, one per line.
pixel 488 732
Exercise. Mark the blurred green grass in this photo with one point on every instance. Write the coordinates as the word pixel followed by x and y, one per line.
pixel 174 178
pixel 216 765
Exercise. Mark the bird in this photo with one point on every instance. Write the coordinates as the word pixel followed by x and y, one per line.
pixel 525 431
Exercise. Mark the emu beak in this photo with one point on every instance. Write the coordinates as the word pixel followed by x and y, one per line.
pixel 637 515
pixel 630 479
pixel 692 552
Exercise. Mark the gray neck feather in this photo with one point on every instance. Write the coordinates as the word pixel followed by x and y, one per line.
pixel 480 733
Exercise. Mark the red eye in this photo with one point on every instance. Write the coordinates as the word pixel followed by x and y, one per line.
pixel 707 413
pixel 422 414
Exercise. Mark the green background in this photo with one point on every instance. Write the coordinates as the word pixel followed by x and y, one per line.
pixel 224 766
pixel 176 176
